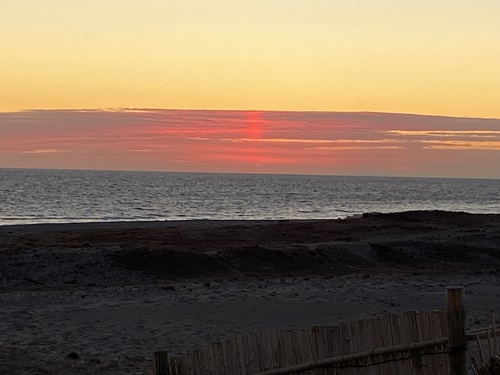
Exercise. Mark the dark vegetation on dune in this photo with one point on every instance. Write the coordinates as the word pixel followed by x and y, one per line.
pixel 430 241
pixel 245 261
pixel 408 242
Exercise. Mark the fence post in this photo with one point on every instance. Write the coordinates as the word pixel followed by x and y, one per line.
pixel 457 339
pixel 160 363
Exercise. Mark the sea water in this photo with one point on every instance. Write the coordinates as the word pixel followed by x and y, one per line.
pixel 58 196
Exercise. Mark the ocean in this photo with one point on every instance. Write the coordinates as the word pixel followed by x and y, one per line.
pixel 30 196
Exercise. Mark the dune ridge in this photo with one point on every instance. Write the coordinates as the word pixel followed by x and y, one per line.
pixel 112 293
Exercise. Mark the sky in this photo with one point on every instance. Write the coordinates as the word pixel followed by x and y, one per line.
pixel 106 61
pixel 326 143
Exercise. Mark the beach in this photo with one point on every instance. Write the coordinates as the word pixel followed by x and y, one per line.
pixel 100 298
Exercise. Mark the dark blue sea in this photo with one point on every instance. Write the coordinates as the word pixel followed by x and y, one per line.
pixel 60 196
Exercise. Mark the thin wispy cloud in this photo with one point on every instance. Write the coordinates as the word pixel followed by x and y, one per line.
pixel 448 133
pixel 48 151
pixel 298 140
pixel 339 148
pixel 463 145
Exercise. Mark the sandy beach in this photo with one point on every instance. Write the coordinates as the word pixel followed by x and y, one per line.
pixel 100 298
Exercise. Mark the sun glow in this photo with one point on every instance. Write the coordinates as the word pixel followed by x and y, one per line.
pixel 255 121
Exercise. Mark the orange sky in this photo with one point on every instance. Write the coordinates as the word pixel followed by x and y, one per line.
pixel 252 141
pixel 400 56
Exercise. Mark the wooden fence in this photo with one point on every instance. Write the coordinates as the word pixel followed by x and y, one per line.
pixel 428 342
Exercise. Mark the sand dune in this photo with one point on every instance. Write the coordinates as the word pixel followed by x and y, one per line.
pixel 111 294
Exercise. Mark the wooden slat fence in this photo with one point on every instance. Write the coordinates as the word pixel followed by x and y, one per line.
pixel 406 343
pixel 415 342
pixel 484 350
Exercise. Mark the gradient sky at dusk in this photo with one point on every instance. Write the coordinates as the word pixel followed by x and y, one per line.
pixel 437 57
pixel 297 86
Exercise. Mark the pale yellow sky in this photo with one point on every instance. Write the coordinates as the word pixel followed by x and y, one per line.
pixel 429 57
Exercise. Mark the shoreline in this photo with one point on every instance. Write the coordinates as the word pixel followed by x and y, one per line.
pixel 115 293
pixel 116 223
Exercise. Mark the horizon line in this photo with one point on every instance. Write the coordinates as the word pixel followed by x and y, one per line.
pixel 251 173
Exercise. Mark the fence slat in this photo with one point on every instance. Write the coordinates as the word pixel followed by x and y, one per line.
pixel 227 357
pixel 234 359
pixel 202 354
pixel 271 350
pixel 380 342
pixel 211 360
pixel 427 323
pixel 160 363
pixel 260 346
pixel 399 338
pixel 274 342
pixel 385 322
pixel 321 347
pixel 357 345
pixel 280 348
pixel 242 355
pixel 417 335
pixel 440 331
pixel 309 347
pixel 195 362
pixel 343 343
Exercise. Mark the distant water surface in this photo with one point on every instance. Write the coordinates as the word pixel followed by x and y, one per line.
pixel 57 196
